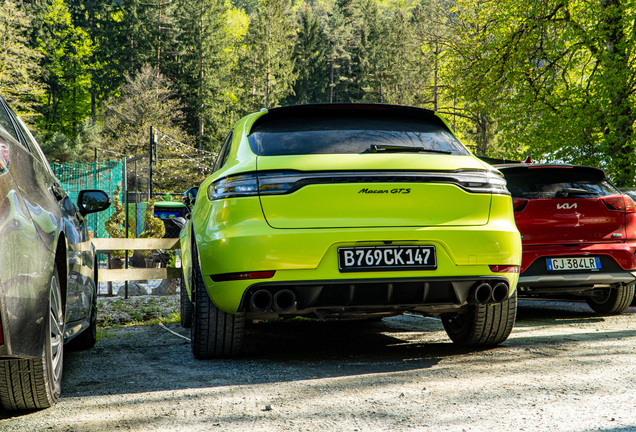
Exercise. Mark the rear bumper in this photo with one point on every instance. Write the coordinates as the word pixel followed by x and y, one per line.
pixel 572 283
pixel 621 254
pixel 617 267
pixel 573 280
pixel 249 244
pixel 312 255
pixel 326 298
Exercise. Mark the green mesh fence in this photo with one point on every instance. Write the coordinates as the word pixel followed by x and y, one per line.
pixel 104 175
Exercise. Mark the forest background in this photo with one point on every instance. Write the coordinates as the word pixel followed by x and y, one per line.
pixel 551 79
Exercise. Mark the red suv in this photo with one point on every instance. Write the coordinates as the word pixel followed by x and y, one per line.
pixel 578 233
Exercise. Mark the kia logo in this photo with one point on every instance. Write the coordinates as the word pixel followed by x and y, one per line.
pixel 566 206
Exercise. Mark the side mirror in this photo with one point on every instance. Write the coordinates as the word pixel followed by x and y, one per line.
pixel 179 221
pixel 190 196
pixel 92 201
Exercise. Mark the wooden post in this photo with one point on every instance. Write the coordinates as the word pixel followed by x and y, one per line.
pixel 125 192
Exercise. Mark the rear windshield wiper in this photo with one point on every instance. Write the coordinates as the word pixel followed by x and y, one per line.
pixel 378 148
pixel 575 191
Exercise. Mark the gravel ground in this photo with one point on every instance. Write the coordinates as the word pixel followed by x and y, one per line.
pixel 563 368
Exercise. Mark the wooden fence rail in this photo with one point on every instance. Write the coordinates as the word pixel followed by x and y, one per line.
pixel 106 245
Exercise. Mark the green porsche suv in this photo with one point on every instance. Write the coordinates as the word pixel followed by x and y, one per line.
pixel 348 211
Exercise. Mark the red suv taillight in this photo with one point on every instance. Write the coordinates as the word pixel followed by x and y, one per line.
pixel 619 203
pixel 518 204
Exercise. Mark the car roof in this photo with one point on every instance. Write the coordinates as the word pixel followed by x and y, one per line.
pixel 309 110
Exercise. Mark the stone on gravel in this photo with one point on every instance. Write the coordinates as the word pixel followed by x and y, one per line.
pixel 134 289
pixel 166 287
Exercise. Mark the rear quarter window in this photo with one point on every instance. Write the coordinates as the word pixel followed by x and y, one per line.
pixel 344 133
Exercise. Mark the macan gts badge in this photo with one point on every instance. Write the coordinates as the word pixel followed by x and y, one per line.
pixel 348 211
pixel 385 191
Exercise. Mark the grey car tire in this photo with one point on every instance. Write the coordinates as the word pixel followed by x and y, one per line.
pixel 214 333
pixel 613 302
pixel 27 384
pixel 482 325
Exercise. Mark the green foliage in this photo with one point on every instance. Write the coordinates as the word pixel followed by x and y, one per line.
pixel 66 71
pixel 19 67
pixel 115 224
pixel 78 148
pixel 116 227
pixel 310 66
pixel 557 77
pixel 339 52
pixel 172 261
pixel 267 65
pixel 203 67
pixel 146 100
pixel 154 227
pixel 543 78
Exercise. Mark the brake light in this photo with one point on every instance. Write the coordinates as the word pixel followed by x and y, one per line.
pixel 233 186
pixel 224 277
pixel 284 182
pixel 619 203
pixel 519 204
pixel 505 268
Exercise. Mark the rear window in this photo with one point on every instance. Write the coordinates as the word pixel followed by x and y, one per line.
pixel 344 133
pixel 546 183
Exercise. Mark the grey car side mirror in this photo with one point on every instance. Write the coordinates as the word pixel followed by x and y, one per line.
pixel 92 201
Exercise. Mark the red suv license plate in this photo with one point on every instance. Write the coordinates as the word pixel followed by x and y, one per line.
pixel 383 258
pixel 574 263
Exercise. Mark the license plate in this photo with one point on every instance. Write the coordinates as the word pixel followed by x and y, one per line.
pixel 377 258
pixel 576 263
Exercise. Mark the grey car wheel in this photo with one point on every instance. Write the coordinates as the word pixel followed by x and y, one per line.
pixel 27 384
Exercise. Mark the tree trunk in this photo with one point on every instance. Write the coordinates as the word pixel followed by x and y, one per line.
pixel 331 85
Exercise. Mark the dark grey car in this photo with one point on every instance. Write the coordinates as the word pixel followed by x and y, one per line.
pixel 47 270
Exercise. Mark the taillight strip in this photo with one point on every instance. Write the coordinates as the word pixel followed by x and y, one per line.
pixel 284 182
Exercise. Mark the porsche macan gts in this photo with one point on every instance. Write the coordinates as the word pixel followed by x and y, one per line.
pixel 348 210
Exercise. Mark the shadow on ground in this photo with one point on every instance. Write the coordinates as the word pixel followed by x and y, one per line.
pixel 135 359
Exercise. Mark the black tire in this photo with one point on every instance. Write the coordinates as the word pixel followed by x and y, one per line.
pixel 214 333
pixel 483 325
pixel 186 306
pixel 612 302
pixel 28 384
